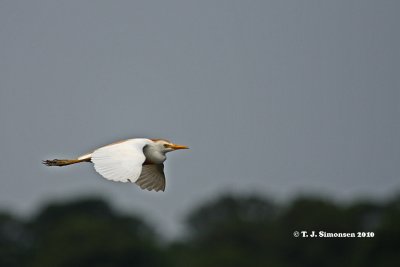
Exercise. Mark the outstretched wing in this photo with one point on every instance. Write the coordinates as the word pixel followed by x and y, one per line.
pixel 152 177
pixel 121 162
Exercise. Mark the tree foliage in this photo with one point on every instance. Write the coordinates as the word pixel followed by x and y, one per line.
pixel 229 231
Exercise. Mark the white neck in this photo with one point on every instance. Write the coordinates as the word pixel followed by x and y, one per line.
pixel 153 154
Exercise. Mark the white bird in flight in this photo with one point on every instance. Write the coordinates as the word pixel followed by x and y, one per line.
pixel 137 160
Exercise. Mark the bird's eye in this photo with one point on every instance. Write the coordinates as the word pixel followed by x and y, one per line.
pixel 166 145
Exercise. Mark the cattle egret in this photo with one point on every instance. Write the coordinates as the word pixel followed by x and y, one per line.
pixel 137 160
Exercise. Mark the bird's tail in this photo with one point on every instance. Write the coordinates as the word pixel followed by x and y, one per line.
pixel 64 162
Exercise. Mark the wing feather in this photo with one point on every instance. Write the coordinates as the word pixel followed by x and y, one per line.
pixel 152 177
pixel 120 162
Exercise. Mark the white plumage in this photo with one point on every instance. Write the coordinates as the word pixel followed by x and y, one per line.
pixel 138 160
pixel 121 162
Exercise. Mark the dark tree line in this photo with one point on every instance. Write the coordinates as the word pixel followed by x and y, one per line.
pixel 230 231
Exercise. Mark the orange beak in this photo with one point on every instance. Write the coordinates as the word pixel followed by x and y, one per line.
pixel 176 147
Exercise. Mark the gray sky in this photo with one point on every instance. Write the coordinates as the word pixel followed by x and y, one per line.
pixel 274 97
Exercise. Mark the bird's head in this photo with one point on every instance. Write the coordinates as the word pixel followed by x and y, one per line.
pixel 167 146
